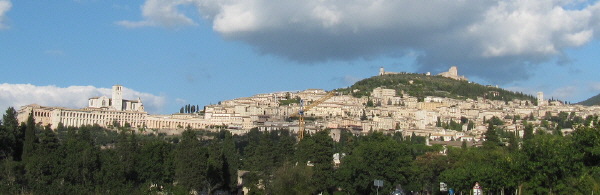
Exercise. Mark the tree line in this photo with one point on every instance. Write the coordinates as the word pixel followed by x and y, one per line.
pixel 188 109
pixel 95 160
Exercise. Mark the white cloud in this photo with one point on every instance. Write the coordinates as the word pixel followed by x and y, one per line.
pixel 17 95
pixel 531 27
pixel 160 13
pixel 180 101
pixel 5 5
pixel 565 93
pixel 486 38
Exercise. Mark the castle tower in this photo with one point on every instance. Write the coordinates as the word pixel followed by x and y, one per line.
pixel 453 71
pixel 381 71
pixel 540 99
pixel 117 97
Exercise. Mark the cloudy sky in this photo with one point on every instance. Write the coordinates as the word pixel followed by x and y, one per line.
pixel 175 52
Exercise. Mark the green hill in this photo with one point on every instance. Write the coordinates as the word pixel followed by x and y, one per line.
pixel 591 101
pixel 420 86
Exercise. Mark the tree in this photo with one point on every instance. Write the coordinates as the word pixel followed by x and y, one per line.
pixel 190 162
pixel 370 103
pixel 318 150
pixel 375 157
pixel 491 167
pixel 363 117
pixel 470 125
pixel 8 128
pixel 491 137
pixel 426 169
pixel 42 166
pixel 513 143
pixel 495 121
pixel 231 162
pixel 127 149
pixel 463 120
pixel 292 179
pixel 30 138
pixel 6 143
pixel 550 162
pixel 216 167
pixel 586 141
pixel 81 162
pixel 155 163
pixel 528 132
pixel 13 134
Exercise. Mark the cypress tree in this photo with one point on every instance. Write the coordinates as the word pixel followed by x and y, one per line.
pixel 30 139
pixel 491 137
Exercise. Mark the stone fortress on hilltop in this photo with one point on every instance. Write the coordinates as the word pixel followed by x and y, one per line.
pixel 452 73
pixel 382 110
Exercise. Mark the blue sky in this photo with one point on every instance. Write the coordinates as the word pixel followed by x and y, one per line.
pixel 202 51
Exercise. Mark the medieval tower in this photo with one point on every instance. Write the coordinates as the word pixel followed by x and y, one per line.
pixel 117 97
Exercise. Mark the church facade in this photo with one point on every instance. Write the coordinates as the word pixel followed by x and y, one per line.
pixel 116 102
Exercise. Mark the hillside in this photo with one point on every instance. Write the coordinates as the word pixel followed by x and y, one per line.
pixel 420 86
pixel 591 101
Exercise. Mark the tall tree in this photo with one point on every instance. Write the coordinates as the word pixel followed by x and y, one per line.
pixel 127 148
pixel 292 179
pixel 81 162
pixel 155 163
pixel 231 163
pixel 376 157
pixel 491 137
pixel 551 161
pixel 426 169
pixel 6 143
pixel 12 134
pixel 190 162
pixel 42 166
pixel 216 167
pixel 528 132
pixel 318 150
pixel 30 138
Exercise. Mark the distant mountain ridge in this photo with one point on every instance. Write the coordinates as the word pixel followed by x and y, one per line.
pixel 591 101
pixel 421 86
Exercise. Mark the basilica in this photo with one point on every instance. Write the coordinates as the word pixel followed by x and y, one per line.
pixel 107 112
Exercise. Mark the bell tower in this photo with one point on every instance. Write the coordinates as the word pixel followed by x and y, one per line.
pixel 117 97
pixel 540 99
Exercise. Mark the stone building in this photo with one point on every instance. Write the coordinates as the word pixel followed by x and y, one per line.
pixel 107 112
pixel 116 102
pixel 540 99
pixel 453 74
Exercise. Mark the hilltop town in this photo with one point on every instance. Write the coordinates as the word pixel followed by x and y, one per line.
pixel 380 109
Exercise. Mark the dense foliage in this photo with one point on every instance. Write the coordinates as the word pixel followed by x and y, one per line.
pixel 94 160
pixel 420 86
pixel 189 109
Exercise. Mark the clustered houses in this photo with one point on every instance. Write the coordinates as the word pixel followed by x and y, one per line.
pixel 390 110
